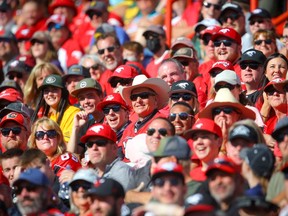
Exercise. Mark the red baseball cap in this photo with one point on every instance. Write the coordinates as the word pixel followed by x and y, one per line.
pixel 222 64
pixel 124 71
pixel 24 34
pixel 57 19
pixel 11 94
pixel 222 163
pixel 210 30
pixel 273 82
pixel 62 3
pixel 16 117
pixel 99 130
pixel 204 124
pixel 167 168
pixel 228 32
pixel 114 98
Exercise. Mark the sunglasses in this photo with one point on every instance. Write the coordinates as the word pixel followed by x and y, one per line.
pixel 259 42
pixel 251 65
pixel 123 82
pixel 29 188
pixel 252 22
pixel 215 6
pixel 6 131
pixel 34 41
pixel 85 185
pixel 227 85
pixel 18 75
pixel 99 143
pixel 143 95
pixel 182 115
pixel 271 91
pixel 39 135
pixel 160 182
pixel 56 26
pixel 280 137
pixel 226 110
pixel 206 39
pixel 161 131
pixel 214 73
pixel 115 108
pixel 233 17
pixel 109 49
pixel 185 97
pixel 5 40
pixel 227 43
pixel 95 67
pixel 184 63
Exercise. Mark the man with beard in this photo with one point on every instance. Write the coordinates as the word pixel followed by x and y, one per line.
pixel 110 53
pixel 34 194
pixel 107 197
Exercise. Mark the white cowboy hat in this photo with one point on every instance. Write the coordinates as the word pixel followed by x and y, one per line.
pixel 224 97
pixel 159 86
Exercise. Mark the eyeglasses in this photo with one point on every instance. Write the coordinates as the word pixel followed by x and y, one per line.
pixel 28 187
pixel 99 143
pixel 160 182
pixel 227 85
pixel 226 43
pixel 6 131
pixel 34 41
pixel 251 65
pixel 18 75
pixel 226 110
pixel 259 42
pixel 233 17
pixel 206 39
pixel 252 22
pixel 115 108
pixel 39 135
pixel 56 26
pixel 184 63
pixel 185 97
pixel 123 82
pixel 85 185
pixel 143 95
pixel 182 115
pixel 161 131
pixel 109 49
pixel 215 6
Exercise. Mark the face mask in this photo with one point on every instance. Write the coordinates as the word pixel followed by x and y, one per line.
pixel 131 58
pixel 153 45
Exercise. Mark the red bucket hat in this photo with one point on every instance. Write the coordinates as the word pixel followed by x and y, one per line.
pixel 114 98
pixel 99 130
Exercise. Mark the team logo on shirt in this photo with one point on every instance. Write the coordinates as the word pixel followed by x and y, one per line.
pixel 51 80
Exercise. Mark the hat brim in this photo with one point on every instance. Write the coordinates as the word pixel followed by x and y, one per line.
pixel 101 105
pixel 159 86
pixel 182 91
pixel 245 112
pixel 221 167
pixel 77 91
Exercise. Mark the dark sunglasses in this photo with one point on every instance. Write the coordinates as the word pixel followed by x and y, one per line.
pixel 39 135
pixel 184 63
pixel 85 185
pixel 226 110
pixel 252 22
pixel 251 65
pixel 95 67
pixel 6 131
pixel 99 143
pixel 259 42
pixel 115 108
pixel 123 82
pixel 18 75
pixel 227 85
pixel 233 17
pixel 185 97
pixel 226 43
pixel 56 26
pixel 160 182
pixel 206 39
pixel 271 91
pixel 215 6
pixel 29 188
pixel 143 95
pixel 34 41
pixel 109 49
pixel 161 131
pixel 5 40
pixel 214 73
pixel 182 116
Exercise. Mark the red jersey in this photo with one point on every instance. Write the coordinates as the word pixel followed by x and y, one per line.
pixel 202 91
pixel 152 67
pixel 65 161
pixel 106 87
pixel 197 174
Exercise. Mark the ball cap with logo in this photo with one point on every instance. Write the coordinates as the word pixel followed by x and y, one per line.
pixel 99 130
pixel 11 95
pixel 33 176
pixel 76 70
pixel 168 168
pixel 274 83
pixel 185 52
pixel 204 124
pixel 260 159
pixel 231 6
pixel 224 164
pixel 114 98
pixel 228 76
pixel 229 33
pixel 222 65
pixel 89 175
pixel 183 86
pixel 253 55
pixel 124 72
pixel 15 117
pixel 85 84
pixel 244 132
pixel 106 187
pixel 158 29
pixel 260 12
pixel 54 80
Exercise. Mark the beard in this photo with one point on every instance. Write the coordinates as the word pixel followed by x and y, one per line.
pixel 36 205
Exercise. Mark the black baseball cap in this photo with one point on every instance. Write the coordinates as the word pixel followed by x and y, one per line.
pixel 253 55
pixel 183 86
pixel 245 132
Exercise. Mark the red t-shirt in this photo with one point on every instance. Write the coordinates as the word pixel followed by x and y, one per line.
pixel 106 87
pixel 197 174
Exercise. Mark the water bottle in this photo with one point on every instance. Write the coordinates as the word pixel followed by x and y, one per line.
pixel 63 192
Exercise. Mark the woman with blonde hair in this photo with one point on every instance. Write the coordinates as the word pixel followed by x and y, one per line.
pixel 265 41
pixel 47 136
pixel 35 80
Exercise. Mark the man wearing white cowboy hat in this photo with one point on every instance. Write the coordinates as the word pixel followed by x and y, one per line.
pixel 146 97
